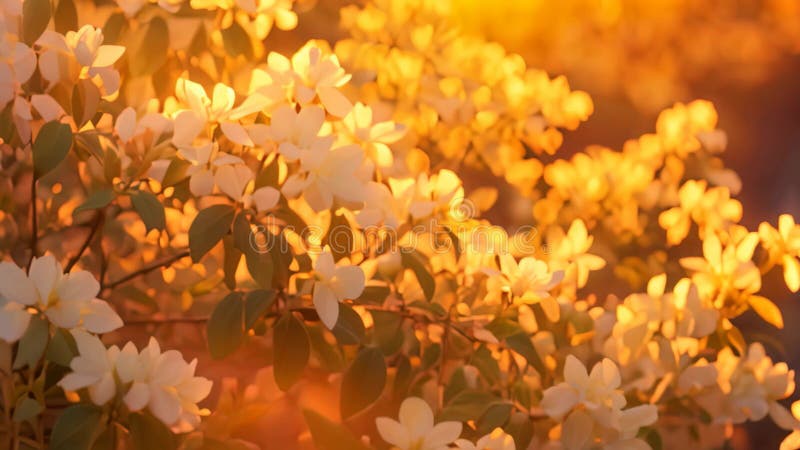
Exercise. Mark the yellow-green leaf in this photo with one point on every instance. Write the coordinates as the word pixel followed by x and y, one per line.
pixel 208 228
pixel 51 144
pixel 292 350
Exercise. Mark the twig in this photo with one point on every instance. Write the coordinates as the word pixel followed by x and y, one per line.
pixel 96 225
pixel 145 270
pixel 169 320
pixel 34 224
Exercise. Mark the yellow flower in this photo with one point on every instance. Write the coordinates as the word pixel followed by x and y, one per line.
pixel 783 246
pixel 569 252
pixel 726 275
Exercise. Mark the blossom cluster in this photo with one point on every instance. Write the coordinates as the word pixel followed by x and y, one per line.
pixel 164 383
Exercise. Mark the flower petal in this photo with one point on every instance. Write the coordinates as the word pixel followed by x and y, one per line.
pixel 15 286
pixel 326 304
pixel 99 317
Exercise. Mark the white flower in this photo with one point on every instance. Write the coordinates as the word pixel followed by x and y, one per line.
pixel 570 252
pixel 298 133
pixel 334 284
pixel 360 128
pixel 93 368
pixel 217 109
pixel 496 440
pixel 80 53
pixel 415 430
pixel 752 385
pixel 380 207
pixel 592 403
pixel 328 175
pixel 68 300
pixel 164 383
pixel 314 74
pixel 595 390
pixel 235 181
pixel 528 281
pixel 16 292
pixel 204 159
pixel 442 190
pixel 17 64
pixel 783 245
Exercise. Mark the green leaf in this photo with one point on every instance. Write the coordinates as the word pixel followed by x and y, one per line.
pixel 237 41
pixel 652 437
pixel 521 343
pixel 97 200
pixel 467 405
pixel 522 393
pixel 208 228
pixel 53 141
pixel 328 354
pixel 374 295
pixel 292 350
pixel 363 382
pixel 26 409
pixel 496 415
pixel 430 307
pixel 457 384
pixel 259 260
pixel 226 326
pixel 431 356
pixel 269 175
pixel 112 165
pixel 149 52
pixel 150 210
pixel 388 332
pixel 76 428
pixel 176 172
pixel 282 256
pixel 52 375
pixel 85 100
pixel 339 237
pixel 581 322
pixel 349 329
pixel 415 261
pixel 231 261
pixel 402 378
pixel 520 427
pixel 66 16
pixel 482 359
pixel 328 435
pixel 62 348
pixel 255 305
pixel 35 17
pixel 502 328
pixel 32 344
pixel 149 433
pixel 112 29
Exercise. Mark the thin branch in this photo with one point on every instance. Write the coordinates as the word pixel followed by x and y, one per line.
pixel 147 269
pixel 96 225
pixel 166 320
pixel 34 223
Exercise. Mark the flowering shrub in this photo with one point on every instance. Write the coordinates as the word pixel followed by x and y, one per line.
pixel 160 165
